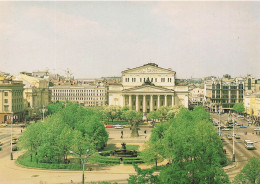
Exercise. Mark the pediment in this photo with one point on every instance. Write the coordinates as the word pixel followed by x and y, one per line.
pixel 148 89
pixel 148 68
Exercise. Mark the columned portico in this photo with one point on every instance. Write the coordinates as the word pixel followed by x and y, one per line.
pixel 130 102
pixel 137 103
pixel 148 101
pixel 151 103
pixel 147 88
pixel 144 103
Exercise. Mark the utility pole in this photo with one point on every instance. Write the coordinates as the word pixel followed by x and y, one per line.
pixel 233 159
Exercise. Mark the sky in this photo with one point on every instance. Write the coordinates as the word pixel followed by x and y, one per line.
pixel 98 39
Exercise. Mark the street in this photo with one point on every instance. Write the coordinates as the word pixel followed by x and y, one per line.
pixel 242 155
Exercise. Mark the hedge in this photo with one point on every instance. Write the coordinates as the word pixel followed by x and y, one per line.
pixel 25 160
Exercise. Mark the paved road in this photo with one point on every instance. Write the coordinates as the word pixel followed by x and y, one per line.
pixel 10 173
pixel 242 155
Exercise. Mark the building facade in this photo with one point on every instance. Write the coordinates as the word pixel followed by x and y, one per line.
pixel 86 95
pixel 146 88
pixel 223 93
pixel 36 93
pixel 11 100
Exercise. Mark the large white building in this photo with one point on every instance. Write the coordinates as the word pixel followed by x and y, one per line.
pixel 146 88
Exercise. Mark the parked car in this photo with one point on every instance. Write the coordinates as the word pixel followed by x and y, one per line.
pixel 237 136
pixel 257 129
pixel 243 126
pixel 118 127
pixel 237 124
pixel 126 126
pixel 3 125
pixel 250 122
pixel 109 126
pixel 14 148
pixel 229 137
pixel 13 142
pixel 226 129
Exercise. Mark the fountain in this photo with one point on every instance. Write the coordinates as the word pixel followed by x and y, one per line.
pixel 123 152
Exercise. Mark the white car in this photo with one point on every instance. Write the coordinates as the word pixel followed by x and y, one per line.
pixel 257 129
pixel 118 127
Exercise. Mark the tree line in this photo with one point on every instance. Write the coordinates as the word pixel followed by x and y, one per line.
pixel 69 127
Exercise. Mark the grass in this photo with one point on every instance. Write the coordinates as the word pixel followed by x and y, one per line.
pixel 132 147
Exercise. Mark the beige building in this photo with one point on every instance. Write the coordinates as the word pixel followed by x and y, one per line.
pixel 36 93
pixel 11 100
pixel 146 88
pixel 87 95
pixel 196 96
pixel 223 93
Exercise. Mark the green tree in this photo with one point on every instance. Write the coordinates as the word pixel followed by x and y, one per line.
pixel 239 108
pixel 195 152
pixel 250 173
pixel 70 128
pixel 153 149
pixel 143 176
pixel 134 117
pixel 113 112
pixel 31 138
pixel 153 115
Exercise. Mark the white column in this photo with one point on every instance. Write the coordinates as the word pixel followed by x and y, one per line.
pixel 123 100
pixel 144 103
pixel 130 102
pixel 172 100
pixel 151 103
pixel 137 103
pixel 165 100
pixel 158 101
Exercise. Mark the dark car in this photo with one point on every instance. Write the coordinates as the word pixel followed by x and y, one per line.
pixel 14 148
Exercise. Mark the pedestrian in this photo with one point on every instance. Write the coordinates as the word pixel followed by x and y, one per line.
pixel 144 131
pixel 121 136
pixel 245 133
pixel 122 132
pixel 21 130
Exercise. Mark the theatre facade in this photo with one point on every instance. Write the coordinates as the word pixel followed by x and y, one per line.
pixel 146 88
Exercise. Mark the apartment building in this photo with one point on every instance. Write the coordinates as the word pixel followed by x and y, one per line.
pixel 11 99
pixel 86 95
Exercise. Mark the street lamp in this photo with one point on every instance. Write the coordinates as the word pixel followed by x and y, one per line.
pixel 12 117
pixel 219 122
pixel 83 161
pixel 233 159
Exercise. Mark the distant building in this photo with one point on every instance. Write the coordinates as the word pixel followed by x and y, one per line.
pixel 36 93
pixel 222 94
pixel 196 96
pixel 146 88
pixel 86 95
pixel 11 99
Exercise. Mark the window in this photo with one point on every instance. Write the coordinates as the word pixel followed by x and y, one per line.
pixel 6 93
pixel 6 107
pixel 162 79
pixel 155 79
pixel 6 100
pixel 249 84
pixel 169 79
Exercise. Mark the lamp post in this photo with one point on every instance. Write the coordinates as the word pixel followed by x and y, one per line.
pixel 219 122
pixel 83 161
pixel 12 117
pixel 233 159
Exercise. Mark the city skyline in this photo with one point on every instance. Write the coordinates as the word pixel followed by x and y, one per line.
pixel 100 39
